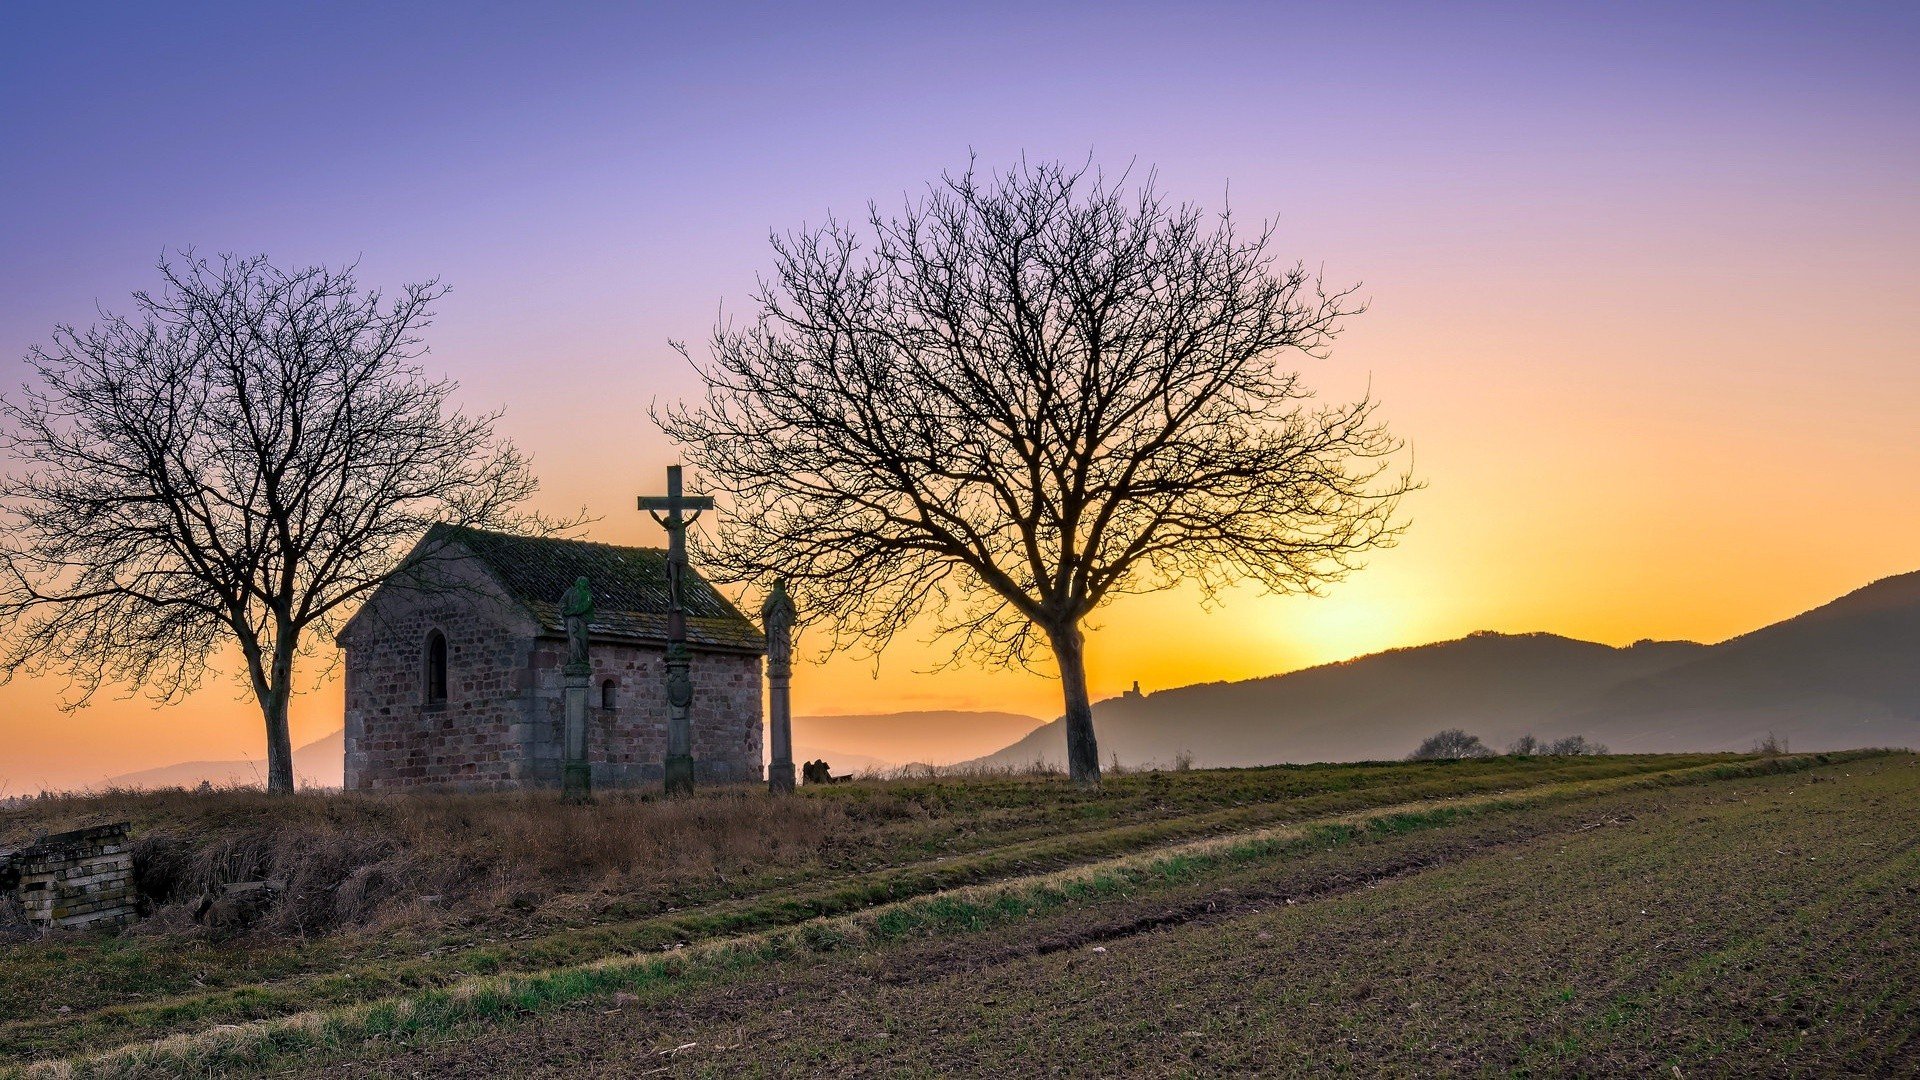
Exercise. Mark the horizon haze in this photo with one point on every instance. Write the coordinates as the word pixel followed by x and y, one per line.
pixel 1640 279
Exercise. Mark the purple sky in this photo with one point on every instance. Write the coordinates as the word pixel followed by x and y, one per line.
pixel 1643 275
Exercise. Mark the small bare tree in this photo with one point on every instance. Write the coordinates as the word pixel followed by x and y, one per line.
pixel 238 463
pixel 1021 397
pixel 1450 745
pixel 1574 746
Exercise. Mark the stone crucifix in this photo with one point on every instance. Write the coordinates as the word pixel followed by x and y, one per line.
pixel 671 511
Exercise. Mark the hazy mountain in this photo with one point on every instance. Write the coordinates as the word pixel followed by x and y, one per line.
pixel 1842 675
pixel 1496 685
pixel 317 764
pixel 849 744
pixel 1845 674
pixel 933 738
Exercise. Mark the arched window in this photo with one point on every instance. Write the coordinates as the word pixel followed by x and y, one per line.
pixel 436 667
pixel 607 691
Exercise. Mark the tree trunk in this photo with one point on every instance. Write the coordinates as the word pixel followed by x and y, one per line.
pixel 1083 750
pixel 273 706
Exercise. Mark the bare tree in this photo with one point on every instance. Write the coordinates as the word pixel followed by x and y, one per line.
pixel 1020 397
pixel 1450 745
pixel 1574 746
pixel 239 463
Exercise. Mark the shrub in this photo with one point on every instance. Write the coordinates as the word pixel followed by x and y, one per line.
pixel 1574 746
pixel 1524 746
pixel 1448 745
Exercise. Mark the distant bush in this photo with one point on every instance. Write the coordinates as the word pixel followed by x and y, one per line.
pixel 1571 746
pixel 1449 745
pixel 1574 746
pixel 1183 761
pixel 1771 746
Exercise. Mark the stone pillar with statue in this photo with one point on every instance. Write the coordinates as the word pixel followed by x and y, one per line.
pixel 776 618
pixel 576 609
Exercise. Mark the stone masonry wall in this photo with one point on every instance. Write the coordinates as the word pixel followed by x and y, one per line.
pixel 627 744
pixel 76 878
pixel 473 739
pixel 501 725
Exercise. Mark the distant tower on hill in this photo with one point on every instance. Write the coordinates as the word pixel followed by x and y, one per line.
pixel 1135 692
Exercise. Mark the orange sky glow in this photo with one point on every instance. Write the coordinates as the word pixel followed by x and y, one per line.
pixel 1653 343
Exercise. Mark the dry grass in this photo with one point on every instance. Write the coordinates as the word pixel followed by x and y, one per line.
pixel 363 860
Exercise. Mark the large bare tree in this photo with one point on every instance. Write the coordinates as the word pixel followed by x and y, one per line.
pixel 238 463
pixel 1019 397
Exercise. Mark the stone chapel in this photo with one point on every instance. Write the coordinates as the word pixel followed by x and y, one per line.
pixel 453 671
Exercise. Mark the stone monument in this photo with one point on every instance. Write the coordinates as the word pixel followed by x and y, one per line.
pixel 576 608
pixel 675 519
pixel 73 879
pixel 776 618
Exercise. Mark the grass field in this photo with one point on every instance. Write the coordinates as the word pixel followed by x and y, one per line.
pixel 1606 915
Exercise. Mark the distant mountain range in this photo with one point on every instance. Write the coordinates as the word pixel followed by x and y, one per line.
pixel 884 740
pixel 1843 675
pixel 317 764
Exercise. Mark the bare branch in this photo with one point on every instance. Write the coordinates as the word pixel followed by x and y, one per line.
pixel 1021 396
pixel 241 460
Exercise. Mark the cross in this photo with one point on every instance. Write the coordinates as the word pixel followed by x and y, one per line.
pixel 678 766
pixel 675 521
pixel 673 503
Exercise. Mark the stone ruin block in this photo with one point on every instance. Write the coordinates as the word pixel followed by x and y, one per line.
pixel 76 878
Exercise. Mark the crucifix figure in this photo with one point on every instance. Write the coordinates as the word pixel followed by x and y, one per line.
pixel 671 511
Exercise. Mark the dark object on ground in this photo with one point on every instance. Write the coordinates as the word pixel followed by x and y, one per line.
pixel 819 772
pixel 237 905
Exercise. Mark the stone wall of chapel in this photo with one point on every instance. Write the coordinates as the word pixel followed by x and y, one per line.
pixel 395 738
pixel 627 744
pixel 501 723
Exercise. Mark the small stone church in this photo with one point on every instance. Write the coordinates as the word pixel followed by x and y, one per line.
pixel 453 670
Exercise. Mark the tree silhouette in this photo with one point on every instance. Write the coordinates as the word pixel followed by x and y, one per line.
pixel 1449 745
pixel 1022 396
pixel 240 462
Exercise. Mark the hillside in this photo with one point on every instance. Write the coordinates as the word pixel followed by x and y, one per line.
pixel 1842 675
pixel 1845 674
pixel 850 744
pixel 854 742
pixel 317 764
pixel 494 934
pixel 1374 707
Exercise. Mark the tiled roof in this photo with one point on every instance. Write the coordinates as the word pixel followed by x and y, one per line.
pixel 629 587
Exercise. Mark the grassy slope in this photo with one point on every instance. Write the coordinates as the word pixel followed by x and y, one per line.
pixel 1750 926
pixel 1190 885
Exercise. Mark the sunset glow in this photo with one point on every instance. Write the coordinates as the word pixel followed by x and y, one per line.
pixel 1642 284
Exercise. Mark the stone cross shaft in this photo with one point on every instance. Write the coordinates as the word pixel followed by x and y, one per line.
pixel 671 511
pixel 777 617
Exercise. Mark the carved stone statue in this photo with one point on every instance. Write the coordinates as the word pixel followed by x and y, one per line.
pixel 776 618
pixel 576 607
